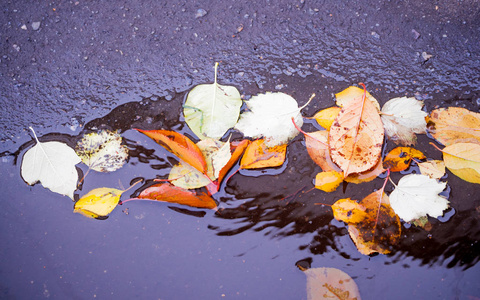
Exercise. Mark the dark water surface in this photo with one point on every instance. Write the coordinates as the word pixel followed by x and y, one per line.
pixel 129 65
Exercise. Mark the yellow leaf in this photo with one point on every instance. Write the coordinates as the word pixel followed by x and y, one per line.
pixel 399 158
pixel 463 160
pixel 98 203
pixel 454 125
pixel 432 168
pixel 259 155
pixel 348 211
pixel 326 116
pixel 348 95
pixel 328 181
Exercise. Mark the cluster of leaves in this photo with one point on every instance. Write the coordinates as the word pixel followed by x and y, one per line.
pixel 349 149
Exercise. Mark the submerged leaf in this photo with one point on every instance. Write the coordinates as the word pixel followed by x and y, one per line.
pixel 185 176
pixel 258 155
pixel 330 283
pixel 356 137
pixel 98 203
pixel 399 158
pixel 328 181
pixel 169 193
pixel 454 125
pixel 416 196
pixel 102 151
pixel 53 164
pixel 211 109
pixel 463 160
pixel 402 118
pixel 269 117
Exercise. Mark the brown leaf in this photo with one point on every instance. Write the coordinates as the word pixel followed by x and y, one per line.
pixel 399 158
pixel 356 137
pixel 169 193
pixel 258 155
pixel 179 145
pixel 454 125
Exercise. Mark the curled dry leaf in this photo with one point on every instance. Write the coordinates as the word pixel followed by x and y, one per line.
pixel 327 116
pixel 258 155
pixel 98 203
pixel 330 283
pixel 353 93
pixel 399 158
pixel 102 151
pixel 211 109
pixel 53 164
pixel 167 192
pixel 328 181
pixel 356 137
pixel 179 145
pixel 416 196
pixel 403 118
pixel 454 125
pixel 463 160
pixel 317 147
pixel 269 116
pixel 432 168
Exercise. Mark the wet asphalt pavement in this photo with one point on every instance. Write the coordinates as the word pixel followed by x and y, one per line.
pixel 70 65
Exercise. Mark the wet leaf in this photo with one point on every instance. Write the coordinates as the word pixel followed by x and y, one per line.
pixel 167 192
pixel 317 147
pixel 353 93
pixel 211 109
pixel 185 176
pixel 328 181
pixel 98 203
pixel 238 151
pixel 403 118
pixel 258 155
pixel 463 160
pixel 356 137
pixel 366 176
pixel 220 158
pixel 269 116
pixel 179 145
pixel 330 283
pixel 102 151
pixel 416 196
pixel 399 158
pixel 454 125
pixel 327 116
pixel 349 211
pixel 210 149
pixel 53 165
pixel 432 168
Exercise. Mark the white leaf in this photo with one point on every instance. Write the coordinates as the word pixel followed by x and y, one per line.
pixel 211 109
pixel 53 164
pixel 416 196
pixel 269 116
pixel 402 118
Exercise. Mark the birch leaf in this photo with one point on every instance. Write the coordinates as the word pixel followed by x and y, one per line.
pixel 402 118
pixel 454 125
pixel 98 203
pixel 269 116
pixel 211 109
pixel 463 160
pixel 103 151
pixel 330 283
pixel 53 165
pixel 328 181
pixel 416 196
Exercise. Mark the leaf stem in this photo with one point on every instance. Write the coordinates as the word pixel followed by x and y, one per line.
pixel 305 133
pixel 34 134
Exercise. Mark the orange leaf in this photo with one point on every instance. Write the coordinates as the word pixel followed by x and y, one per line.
pixel 366 176
pixel 399 158
pixel 317 147
pixel 179 145
pixel 356 137
pixel 328 181
pixel 257 155
pixel 167 192
pixel 454 125
pixel 237 152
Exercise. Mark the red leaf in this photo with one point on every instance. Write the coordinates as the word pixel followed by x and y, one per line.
pixel 167 192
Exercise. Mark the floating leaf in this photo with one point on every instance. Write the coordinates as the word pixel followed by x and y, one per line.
pixel 53 164
pixel 327 116
pixel 399 158
pixel 328 181
pixel 402 118
pixel 169 193
pixel 239 148
pixel 330 283
pixel 179 145
pixel 98 203
pixel 349 211
pixel 317 147
pixel 269 117
pixel 416 196
pixel 432 168
pixel 185 176
pixel 258 155
pixel 356 137
pixel 102 151
pixel 353 93
pixel 211 109
pixel 454 125
pixel 463 160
